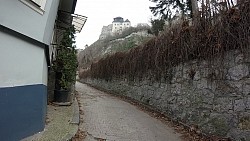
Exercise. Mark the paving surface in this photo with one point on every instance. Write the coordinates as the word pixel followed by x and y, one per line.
pixel 61 124
pixel 109 118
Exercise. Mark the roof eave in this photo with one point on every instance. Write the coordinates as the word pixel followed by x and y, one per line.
pixel 68 6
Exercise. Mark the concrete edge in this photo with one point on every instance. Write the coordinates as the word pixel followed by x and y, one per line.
pixel 76 115
pixel 62 103
pixel 74 120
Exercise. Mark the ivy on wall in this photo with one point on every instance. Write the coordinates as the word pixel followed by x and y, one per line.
pixel 66 60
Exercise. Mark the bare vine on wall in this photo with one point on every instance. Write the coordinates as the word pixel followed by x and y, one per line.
pixel 219 29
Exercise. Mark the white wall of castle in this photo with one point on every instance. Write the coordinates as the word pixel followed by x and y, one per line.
pixel 112 29
pixel 118 27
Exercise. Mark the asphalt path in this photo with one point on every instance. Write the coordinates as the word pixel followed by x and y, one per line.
pixel 108 118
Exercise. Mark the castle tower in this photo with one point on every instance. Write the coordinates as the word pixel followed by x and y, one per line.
pixel 118 25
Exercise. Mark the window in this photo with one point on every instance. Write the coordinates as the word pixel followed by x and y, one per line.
pixel 37 5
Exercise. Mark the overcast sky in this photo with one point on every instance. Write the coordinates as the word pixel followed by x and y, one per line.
pixel 102 12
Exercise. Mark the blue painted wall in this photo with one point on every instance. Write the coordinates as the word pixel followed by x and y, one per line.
pixel 22 111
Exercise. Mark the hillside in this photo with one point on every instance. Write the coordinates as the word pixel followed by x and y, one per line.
pixel 130 38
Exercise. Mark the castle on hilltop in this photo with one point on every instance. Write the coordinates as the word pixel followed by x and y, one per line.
pixel 117 26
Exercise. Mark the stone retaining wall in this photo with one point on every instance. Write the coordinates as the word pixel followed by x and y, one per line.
pixel 214 94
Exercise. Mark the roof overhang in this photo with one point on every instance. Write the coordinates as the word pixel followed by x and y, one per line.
pixel 78 22
pixel 67 6
pixel 67 18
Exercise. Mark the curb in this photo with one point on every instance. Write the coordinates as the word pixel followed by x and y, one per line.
pixel 76 115
pixel 74 120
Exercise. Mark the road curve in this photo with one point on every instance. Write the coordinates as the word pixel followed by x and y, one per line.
pixel 109 118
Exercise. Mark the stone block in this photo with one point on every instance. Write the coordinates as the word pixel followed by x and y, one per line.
pixel 163 85
pixel 204 72
pixel 156 84
pixel 177 77
pixel 197 75
pixel 247 58
pixel 246 89
pixel 248 103
pixel 228 60
pixel 185 73
pixel 247 80
pixel 172 100
pixel 175 88
pixel 236 85
pixel 223 104
pixel 239 105
pixel 183 101
pixel 239 59
pixel 216 62
pixel 204 63
pixel 217 125
pixel 207 96
pixel 237 134
pixel 202 84
pixel 244 121
pixel 158 93
pixel 238 72
pixel 212 85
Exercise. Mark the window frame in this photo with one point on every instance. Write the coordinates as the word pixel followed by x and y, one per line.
pixel 38 7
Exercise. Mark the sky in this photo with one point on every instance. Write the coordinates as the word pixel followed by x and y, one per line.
pixel 101 13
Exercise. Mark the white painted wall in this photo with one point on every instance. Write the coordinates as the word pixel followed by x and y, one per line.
pixel 126 25
pixel 17 16
pixel 21 63
pixel 118 26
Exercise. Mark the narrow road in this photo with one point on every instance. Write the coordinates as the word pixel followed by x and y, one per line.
pixel 109 118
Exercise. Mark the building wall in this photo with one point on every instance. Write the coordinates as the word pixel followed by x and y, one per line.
pixel 52 13
pixel 126 25
pixel 213 95
pixel 118 27
pixel 23 87
pixel 18 59
pixel 25 20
